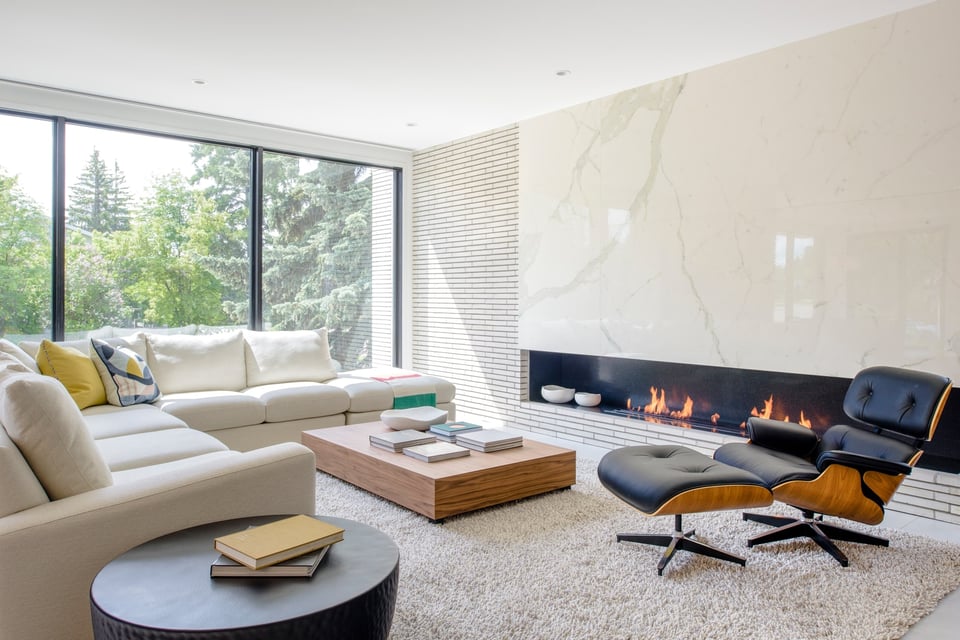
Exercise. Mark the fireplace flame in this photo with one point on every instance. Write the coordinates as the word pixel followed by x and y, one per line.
pixel 658 405
pixel 767 412
pixel 767 409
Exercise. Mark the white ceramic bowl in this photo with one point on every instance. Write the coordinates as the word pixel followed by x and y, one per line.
pixel 419 418
pixel 554 393
pixel 585 399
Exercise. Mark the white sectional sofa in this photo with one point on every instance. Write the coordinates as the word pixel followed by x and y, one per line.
pixel 249 389
pixel 80 486
pixel 69 503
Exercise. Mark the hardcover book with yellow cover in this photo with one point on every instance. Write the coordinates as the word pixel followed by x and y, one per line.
pixel 275 542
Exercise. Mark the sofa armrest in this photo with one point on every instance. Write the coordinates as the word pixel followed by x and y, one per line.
pixel 862 463
pixel 50 554
pixel 786 437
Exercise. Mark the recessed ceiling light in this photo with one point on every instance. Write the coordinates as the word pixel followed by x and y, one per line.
pixel 563 72
pixel 199 81
pixel 411 124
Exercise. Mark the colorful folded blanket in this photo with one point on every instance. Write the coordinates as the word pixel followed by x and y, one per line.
pixel 409 389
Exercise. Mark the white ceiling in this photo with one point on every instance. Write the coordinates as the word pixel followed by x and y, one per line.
pixel 404 73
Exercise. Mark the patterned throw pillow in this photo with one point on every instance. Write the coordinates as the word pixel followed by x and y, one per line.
pixel 125 375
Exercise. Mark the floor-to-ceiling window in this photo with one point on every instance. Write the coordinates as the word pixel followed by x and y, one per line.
pixel 157 234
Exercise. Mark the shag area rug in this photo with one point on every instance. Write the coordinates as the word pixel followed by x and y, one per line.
pixel 550 567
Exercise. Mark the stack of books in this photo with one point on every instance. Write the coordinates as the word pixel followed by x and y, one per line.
pixel 396 441
pixel 436 451
pixel 448 430
pixel 487 440
pixel 290 547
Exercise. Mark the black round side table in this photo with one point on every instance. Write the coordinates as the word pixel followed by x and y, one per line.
pixel 162 590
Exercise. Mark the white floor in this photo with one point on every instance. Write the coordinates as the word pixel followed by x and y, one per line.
pixel 942 624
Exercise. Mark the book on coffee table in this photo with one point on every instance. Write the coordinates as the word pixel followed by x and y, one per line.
pixel 448 430
pixel 489 440
pixel 272 543
pixel 396 440
pixel 435 451
pixel 300 567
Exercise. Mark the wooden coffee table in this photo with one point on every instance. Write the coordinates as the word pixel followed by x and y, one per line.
pixel 445 488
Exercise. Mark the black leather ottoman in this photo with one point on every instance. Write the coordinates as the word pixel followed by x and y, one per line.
pixel 673 480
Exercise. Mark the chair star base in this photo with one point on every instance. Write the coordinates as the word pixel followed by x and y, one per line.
pixel 679 541
pixel 812 527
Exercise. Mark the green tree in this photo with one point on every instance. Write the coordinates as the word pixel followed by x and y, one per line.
pixel 93 295
pixel 100 199
pixel 316 247
pixel 164 255
pixel 24 261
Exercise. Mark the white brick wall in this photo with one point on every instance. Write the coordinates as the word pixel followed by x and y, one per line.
pixel 381 306
pixel 465 315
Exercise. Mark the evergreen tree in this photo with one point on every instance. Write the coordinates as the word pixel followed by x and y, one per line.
pixel 99 201
pixel 223 175
pixel 118 200
pixel 316 247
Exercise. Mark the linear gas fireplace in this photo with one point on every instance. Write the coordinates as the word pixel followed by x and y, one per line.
pixel 719 399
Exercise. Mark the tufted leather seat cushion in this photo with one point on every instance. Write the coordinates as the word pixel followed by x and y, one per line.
pixel 845 438
pixel 771 466
pixel 646 477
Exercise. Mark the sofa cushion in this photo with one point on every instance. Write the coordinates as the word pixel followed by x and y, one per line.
pixel 365 394
pixel 156 447
pixel 11 365
pixel 183 465
pixel 19 354
pixel 75 370
pixel 197 363
pixel 212 410
pixel 300 400
pixel 47 427
pixel 405 382
pixel 21 489
pixel 126 377
pixel 109 421
pixel 287 356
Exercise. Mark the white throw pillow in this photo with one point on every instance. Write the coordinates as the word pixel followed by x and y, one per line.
pixel 21 356
pixel 197 363
pixel 273 357
pixel 43 420
pixel 21 489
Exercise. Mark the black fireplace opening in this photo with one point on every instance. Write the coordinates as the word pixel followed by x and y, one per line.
pixel 719 399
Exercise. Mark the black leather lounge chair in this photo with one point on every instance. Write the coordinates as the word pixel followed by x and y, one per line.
pixel 853 470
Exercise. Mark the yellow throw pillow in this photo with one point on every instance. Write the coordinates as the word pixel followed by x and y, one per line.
pixel 75 370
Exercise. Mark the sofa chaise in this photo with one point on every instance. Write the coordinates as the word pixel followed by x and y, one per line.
pixel 69 502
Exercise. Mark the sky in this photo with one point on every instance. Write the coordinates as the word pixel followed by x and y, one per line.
pixel 26 151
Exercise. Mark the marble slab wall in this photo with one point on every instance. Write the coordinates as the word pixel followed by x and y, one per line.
pixel 796 210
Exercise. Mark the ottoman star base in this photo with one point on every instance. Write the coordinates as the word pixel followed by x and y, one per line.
pixel 674 480
pixel 679 541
